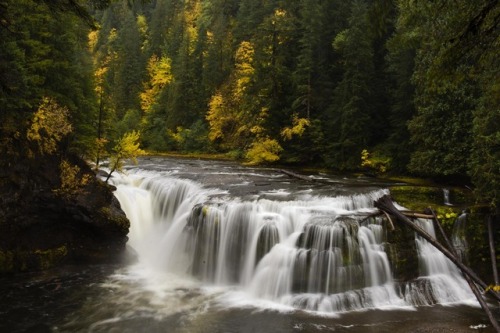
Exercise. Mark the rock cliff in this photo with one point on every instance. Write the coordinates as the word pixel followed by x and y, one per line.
pixel 43 224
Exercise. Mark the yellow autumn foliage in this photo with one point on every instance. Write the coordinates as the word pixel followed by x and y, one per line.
pixel 298 127
pixel 244 67
pixel 216 116
pixel 71 181
pixel 374 161
pixel 49 125
pixel 264 150
pixel 127 148
pixel 159 71
pixel 231 115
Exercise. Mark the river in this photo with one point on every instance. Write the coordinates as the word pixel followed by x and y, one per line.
pixel 227 248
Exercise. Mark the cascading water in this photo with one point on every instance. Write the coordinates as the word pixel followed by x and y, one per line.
pixel 446 197
pixel 312 254
pixel 458 238
pixel 440 281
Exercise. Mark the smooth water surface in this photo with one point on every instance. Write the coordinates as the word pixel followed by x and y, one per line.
pixel 112 299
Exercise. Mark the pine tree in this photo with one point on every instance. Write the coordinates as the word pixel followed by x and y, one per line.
pixel 352 110
pixel 130 66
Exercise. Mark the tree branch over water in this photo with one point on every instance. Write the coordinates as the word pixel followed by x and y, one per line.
pixel 386 205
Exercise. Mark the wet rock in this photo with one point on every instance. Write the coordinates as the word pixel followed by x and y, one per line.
pixel 42 226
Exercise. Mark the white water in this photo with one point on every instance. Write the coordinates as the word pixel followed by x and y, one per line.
pixel 458 237
pixel 311 254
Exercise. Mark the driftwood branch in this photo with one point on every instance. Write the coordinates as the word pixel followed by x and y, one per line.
pixel 390 221
pixel 417 215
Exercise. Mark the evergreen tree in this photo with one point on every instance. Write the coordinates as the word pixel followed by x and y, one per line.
pixel 400 64
pixel 412 80
pixel 352 110
pixel 186 104
pixel 129 65
pixel 43 57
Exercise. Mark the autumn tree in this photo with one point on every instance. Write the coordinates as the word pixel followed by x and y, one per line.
pixel 230 115
pixel 49 126
pixel 127 148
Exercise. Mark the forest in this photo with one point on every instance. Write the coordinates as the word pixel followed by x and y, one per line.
pixel 388 86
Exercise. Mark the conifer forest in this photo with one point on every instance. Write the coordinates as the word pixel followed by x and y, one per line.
pixel 390 86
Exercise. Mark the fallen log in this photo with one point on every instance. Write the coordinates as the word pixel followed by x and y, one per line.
pixel 404 212
pixel 296 175
pixel 467 278
pixel 417 215
pixel 492 251
pixel 385 204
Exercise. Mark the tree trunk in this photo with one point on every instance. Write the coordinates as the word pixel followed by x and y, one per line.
pixel 296 175
pixel 467 278
pixel 492 250
pixel 385 204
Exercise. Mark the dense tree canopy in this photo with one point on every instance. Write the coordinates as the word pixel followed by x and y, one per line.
pixel 410 86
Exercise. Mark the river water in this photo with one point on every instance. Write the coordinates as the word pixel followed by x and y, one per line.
pixel 226 248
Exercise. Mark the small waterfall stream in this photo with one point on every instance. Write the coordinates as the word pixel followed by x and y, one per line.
pixel 311 254
pixel 458 238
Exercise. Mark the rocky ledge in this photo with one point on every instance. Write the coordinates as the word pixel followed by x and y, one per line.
pixel 44 224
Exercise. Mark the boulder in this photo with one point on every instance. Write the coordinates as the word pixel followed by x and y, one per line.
pixel 43 225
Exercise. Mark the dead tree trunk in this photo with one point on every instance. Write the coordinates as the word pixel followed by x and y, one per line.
pixel 296 175
pixel 385 204
pixel 467 278
pixel 492 251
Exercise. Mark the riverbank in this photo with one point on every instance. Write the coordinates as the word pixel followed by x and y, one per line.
pixel 55 213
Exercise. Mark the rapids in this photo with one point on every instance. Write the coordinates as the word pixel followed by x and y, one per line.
pixel 291 249
pixel 225 248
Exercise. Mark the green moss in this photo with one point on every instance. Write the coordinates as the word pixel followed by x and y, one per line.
pixel 29 260
pixel 417 197
pixel 119 220
pixel 6 261
pixel 420 197
pixel 50 257
pixel 205 210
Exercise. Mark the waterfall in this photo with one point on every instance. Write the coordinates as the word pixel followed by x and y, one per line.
pixel 458 238
pixel 440 281
pixel 446 197
pixel 312 254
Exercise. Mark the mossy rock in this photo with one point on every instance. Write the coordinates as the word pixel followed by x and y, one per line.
pixel 31 260
pixel 7 259
pixel 418 198
pixel 402 254
pixel 118 220
pixel 41 225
